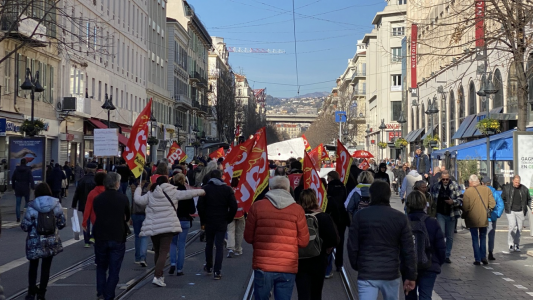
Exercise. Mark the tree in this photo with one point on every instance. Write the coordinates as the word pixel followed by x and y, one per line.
pixel 225 105
pixel 272 135
pixel 323 130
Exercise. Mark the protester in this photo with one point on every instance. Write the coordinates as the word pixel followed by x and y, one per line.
pixel 375 254
pixel 360 193
pixel 381 174
pixel 124 171
pixel 68 172
pixel 161 222
pixel 110 230
pixel 311 271
pixel 352 176
pixel 22 182
pixel 236 231
pixel 41 245
pixel 408 183
pixel 85 186
pixel 477 204
pixel 216 209
pixel 516 199
pixel 88 213
pixel 495 214
pixel 185 210
pixel 138 216
pixel 431 205
pixel 78 174
pixel 427 274
pixel 336 197
pixel 57 181
pixel 447 194
pixel 276 227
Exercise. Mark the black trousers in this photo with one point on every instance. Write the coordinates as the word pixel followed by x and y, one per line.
pixel 216 237
pixel 45 272
pixel 309 282
pixel 339 256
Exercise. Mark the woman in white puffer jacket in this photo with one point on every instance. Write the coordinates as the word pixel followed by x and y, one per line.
pixel 161 222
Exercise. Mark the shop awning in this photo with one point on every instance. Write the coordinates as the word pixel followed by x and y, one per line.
pixel 430 132
pixel 463 127
pixel 125 128
pixel 408 136
pixel 98 124
pixel 122 139
pixel 415 135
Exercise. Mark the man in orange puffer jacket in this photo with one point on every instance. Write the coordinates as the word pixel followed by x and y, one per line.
pixel 276 227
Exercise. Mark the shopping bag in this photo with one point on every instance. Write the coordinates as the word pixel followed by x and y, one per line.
pixel 75 224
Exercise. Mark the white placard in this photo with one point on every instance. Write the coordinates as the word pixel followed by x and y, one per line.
pixel 523 143
pixel 105 142
pixel 189 150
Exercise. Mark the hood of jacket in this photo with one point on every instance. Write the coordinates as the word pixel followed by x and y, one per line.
pixel 165 187
pixel 23 168
pixel 44 204
pixel 280 198
pixel 216 181
pixel 414 173
pixel 100 189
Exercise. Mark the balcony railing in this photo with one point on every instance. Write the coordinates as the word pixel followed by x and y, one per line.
pixel 359 92
pixel 359 74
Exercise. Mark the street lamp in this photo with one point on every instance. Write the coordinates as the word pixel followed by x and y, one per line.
pixel 489 90
pixel 108 105
pixel 382 127
pixel 367 131
pixel 401 121
pixel 345 136
pixel 433 109
pixel 178 126
pixel 32 84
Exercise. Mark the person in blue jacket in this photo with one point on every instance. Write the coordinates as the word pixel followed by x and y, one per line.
pixel 494 216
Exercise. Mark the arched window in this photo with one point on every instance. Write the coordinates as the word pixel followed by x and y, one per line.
pixel 512 90
pixel 484 101
pixel 452 114
pixel 472 98
pixel 462 111
pixel 444 123
pixel 423 112
pixel 498 97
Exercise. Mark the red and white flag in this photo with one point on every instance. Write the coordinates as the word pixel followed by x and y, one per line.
pixel 344 162
pixel 217 154
pixel 364 165
pixel 315 155
pixel 323 152
pixel 306 144
pixel 175 154
pixel 135 152
pixel 235 160
pixel 312 181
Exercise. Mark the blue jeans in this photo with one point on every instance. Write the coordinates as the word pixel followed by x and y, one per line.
pixel 283 283
pixel 424 284
pixel 141 242
pixel 178 243
pixel 369 289
pixel 447 224
pixel 479 242
pixel 123 187
pixel 19 200
pixel 87 234
pixel 491 233
pixel 329 267
pixel 108 256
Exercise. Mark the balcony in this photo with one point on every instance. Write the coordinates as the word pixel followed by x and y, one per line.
pixel 359 92
pixel 21 27
pixel 359 74
pixel 183 99
pixel 194 76
pixel 195 104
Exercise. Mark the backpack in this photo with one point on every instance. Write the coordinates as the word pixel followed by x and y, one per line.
pixel 422 243
pixel 365 198
pixel 315 242
pixel 46 223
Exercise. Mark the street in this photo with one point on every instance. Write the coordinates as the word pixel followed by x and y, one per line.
pixel 73 271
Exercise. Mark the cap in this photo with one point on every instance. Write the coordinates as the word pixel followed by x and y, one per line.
pixel 417 147
pixel 486 179
pixel 92 166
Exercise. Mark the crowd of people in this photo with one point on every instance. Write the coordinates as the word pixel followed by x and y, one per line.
pixel 294 241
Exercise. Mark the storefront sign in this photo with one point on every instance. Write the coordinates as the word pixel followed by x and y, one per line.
pixel 393 134
pixel 33 150
pixel 414 42
pixel 3 125
pixel 523 157
pixel 480 23
pixel 393 126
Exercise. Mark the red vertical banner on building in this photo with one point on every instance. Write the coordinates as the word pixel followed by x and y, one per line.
pixel 480 23
pixel 414 44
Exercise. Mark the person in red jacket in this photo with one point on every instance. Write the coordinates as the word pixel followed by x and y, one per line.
pixel 89 211
pixel 276 227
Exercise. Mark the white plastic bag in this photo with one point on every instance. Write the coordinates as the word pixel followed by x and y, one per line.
pixel 75 224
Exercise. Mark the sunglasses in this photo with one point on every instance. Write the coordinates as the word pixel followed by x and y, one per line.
pixel 445 179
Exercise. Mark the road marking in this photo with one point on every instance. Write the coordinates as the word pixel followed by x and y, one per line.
pixel 488 268
pixel 530 293
pixel 507 279
pixel 520 286
pixel 19 262
pixel 497 273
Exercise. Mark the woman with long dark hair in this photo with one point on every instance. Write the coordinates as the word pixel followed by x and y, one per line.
pixel 40 247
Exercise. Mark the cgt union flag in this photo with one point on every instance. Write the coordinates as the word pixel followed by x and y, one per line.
pixel 235 160
pixel 312 181
pixel 255 174
pixel 306 144
pixel 135 152
pixel 323 152
pixel 217 154
pixel 175 154
pixel 344 162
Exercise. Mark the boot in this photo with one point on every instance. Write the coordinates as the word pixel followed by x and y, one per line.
pixel 32 291
pixel 40 294
pixel 491 257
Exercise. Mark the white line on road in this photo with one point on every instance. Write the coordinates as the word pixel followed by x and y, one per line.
pixel 530 293
pixel 520 286
pixel 497 273
pixel 507 279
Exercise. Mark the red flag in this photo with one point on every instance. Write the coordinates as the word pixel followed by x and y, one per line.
pixel 176 154
pixel 323 152
pixel 306 144
pixel 255 175
pixel 237 131
pixel 344 162
pixel 364 165
pixel 135 152
pixel 312 181
pixel 235 160
pixel 314 156
pixel 217 154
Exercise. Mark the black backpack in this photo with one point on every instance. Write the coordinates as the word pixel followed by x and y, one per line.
pixel 46 223
pixel 315 242
pixel 422 243
pixel 365 200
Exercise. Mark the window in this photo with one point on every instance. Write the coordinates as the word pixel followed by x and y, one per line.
pixel 402 2
pixel 396 84
pixel 93 87
pixel 472 99
pixel 398 31
pixel 7 74
pixel 396 109
pixel 77 87
pixel 453 120
pixel 99 91
pixel 396 54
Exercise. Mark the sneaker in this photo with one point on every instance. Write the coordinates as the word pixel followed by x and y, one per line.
pixel 328 276
pixel 209 271
pixel 485 261
pixel 477 263
pixel 447 260
pixel 143 264
pixel 511 248
pixel 237 253
pixel 179 273
pixel 137 262
pixel 230 254
pixel 172 269
pixel 217 276
pixel 151 250
pixel 491 257
pixel 91 240
pixel 516 248
pixel 159 281
pixel 87 246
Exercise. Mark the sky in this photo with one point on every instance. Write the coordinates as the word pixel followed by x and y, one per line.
pixel 326 37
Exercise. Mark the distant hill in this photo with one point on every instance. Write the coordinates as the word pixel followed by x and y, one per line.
pixel 312 95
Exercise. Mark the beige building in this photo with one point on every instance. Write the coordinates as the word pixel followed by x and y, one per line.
pixel 289 130
pixel 244 97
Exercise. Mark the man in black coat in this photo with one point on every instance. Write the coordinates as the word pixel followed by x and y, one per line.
pixel 22 181
pixel 85 186
pixel 352 179
pixel 336 197
pixel 379 237
pixel 381 174
pixel 516 200
pixel 216 209
pixel 57 179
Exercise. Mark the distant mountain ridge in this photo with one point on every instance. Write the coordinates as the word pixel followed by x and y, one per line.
pixel 310 95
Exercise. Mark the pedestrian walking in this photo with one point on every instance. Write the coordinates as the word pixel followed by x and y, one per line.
pixel 336 197
pixel 408 183
pixel 276 227
pixel 360 195
pixel 112 212
pixel 22 183
pixel 68 172
pixel 161 222
pixel 447 193
pixel 426 227
pixel 375 254
pixel 381 174
pixel 125 174
pixel 88 214
pixel 216 209
pixel 138 215
pixel 495 214
pixel 78 174
pixel 85 186
pixel 431 205
pixel 516 199
pixel 42 220
pixel 421 163
pixel 478 202
pixel 57 181
pixel 186 208
pixel 312 270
